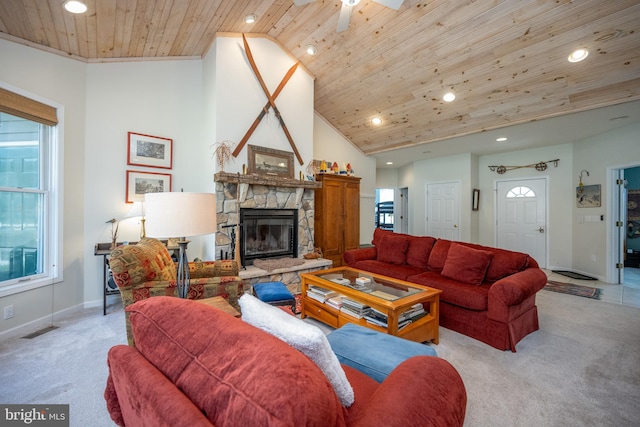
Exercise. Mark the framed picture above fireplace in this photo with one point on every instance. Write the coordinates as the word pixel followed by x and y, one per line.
pixel 268 161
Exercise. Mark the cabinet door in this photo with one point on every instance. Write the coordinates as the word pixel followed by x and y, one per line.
pixel 333 220
pixel 351 215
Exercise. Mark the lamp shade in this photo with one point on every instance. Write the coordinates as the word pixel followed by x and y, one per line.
pixel 136 211
pixel 180 214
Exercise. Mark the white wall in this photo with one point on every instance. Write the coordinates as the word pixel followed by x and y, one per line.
pixel 161 98
pixel 616 149
pixel 61 82
pixel 446 169
pixel 239 99
pixel 561 196
pixel 194 102
pixel 571 245
pixel 329 145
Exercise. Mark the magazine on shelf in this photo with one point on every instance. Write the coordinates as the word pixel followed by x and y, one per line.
pixel 353 303
pixel 320 294
pixel 335 301
pixel 316 297
pixel 321 291
pixel 349 312
pixel 384 295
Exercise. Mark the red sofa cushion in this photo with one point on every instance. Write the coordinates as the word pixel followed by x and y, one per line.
pixel 384 268
pixel 439 255
pixel 419 251
pixel 466 264
pixel 378 234
pixel 219 370
pixel 393 249
pixel 505 263
pixel 472 297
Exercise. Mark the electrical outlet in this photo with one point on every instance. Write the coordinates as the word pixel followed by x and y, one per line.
pixel 8 312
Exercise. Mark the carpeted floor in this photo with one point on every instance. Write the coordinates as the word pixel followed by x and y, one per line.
pixel 580 369
pixel 571 289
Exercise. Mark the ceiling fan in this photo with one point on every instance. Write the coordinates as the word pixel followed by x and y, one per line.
pixel 347 6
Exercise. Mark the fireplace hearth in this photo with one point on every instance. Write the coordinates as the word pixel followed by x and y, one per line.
pixel 268 233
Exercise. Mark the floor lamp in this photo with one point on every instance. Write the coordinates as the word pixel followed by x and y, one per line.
pixel 180 215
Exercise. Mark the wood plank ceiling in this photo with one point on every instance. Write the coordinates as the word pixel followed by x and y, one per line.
pixel 506 61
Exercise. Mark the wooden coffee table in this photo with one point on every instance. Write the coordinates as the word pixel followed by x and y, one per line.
pixel 221 304
pixel 385 294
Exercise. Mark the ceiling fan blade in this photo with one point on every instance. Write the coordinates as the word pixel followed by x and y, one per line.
pixel 393 4
pixel 301 2
pixel 344 18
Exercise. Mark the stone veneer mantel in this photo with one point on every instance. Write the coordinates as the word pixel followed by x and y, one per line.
pixel 271 181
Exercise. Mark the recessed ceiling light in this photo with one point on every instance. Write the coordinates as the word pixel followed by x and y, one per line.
pixel 501 139
pixel 578 55
pixel 75 6
pixel 250 19
pixel 389 163
pixel 376 121
pixel 311 49
pixel 448 97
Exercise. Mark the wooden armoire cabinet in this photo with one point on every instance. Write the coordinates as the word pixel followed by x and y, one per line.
pixel 337 215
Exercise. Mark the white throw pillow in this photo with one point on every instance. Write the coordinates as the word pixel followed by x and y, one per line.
pixel 302 336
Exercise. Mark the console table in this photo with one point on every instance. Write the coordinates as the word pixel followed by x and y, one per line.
pixel 104 250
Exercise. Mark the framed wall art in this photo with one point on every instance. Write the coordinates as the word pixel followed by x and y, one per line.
pixel 151 151
pixel 588 196
pixel 267 161
pixel 140 183
pixel 475 200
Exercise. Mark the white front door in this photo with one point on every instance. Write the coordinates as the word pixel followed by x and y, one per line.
pixel 521 217
pixel 443 210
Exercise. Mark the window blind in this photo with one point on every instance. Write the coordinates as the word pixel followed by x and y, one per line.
pixel 21 106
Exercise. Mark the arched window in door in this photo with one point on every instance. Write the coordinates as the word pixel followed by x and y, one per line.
pixel 521 192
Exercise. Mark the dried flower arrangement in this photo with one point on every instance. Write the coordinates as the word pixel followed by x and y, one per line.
pixel 114 231
pixel 223 153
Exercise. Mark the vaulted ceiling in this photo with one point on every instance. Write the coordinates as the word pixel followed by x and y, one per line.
pixel 506 61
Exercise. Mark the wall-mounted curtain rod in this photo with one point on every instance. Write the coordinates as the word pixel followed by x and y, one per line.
pixel 540 166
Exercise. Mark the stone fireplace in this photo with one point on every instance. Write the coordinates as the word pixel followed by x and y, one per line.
pixel 237 192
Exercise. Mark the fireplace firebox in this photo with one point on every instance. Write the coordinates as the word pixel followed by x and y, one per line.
pixel 268 233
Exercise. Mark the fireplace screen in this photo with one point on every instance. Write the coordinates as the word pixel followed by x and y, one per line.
pixel 268 233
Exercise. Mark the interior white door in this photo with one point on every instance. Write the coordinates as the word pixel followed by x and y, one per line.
pixel 443 210
pixel 521 217
pixel 401 208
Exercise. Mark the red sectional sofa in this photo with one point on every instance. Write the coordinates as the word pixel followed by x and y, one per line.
pixel 487 293
pixel 194 365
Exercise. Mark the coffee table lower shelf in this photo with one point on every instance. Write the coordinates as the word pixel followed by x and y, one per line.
pixel 423 330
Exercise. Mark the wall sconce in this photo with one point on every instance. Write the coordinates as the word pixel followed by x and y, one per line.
pixel 580 184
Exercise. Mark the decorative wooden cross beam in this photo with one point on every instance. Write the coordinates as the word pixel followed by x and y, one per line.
pixel 271 102
pixel 264 110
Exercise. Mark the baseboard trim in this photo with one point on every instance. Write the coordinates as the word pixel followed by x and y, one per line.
pixel 37 324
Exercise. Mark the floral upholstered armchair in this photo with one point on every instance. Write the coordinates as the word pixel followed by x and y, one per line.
pixel 146 270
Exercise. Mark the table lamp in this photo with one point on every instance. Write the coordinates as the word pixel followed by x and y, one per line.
pixel 180 215
pixel 137 211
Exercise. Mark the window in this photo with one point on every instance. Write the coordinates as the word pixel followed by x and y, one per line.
pixel 521 192
pixel 28 219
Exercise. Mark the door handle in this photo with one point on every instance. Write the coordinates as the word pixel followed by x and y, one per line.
pixel 541 229
pixel 455 225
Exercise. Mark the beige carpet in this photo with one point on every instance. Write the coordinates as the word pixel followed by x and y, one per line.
pixel 580 369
